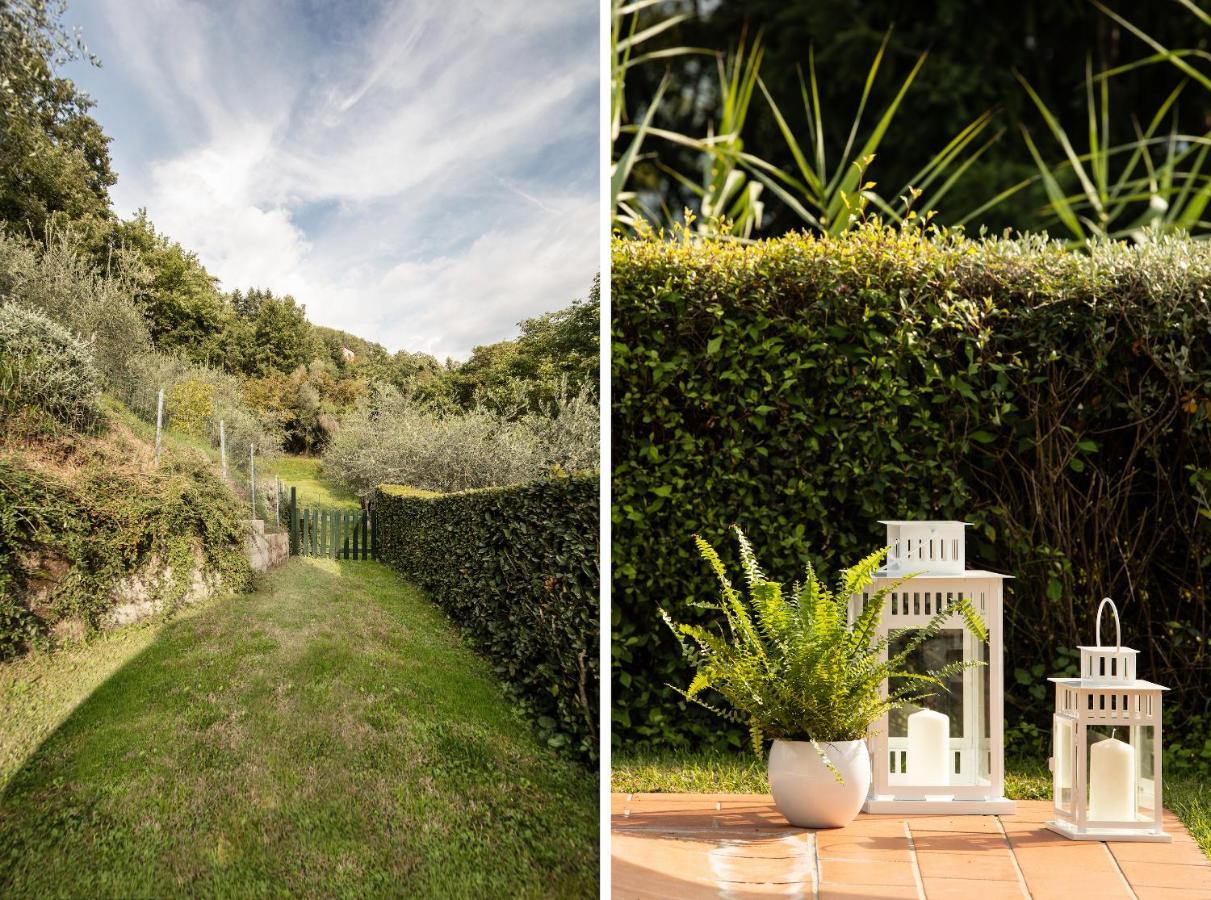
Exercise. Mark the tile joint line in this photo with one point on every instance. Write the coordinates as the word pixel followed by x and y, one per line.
pixel 916 868
pixel 1121 874
pixel 1013 857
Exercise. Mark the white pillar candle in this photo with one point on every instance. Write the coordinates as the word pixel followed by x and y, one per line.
pixel 929 747
pixel 1112 781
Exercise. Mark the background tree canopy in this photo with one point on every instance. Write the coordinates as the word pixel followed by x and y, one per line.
pixel 976 54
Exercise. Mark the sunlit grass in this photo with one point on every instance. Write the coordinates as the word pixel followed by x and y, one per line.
pixel 312 487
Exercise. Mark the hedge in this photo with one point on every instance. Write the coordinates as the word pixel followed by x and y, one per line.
pixel 806 387
pixel 518 569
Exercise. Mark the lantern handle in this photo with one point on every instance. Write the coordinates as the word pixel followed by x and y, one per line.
pixel 1118 634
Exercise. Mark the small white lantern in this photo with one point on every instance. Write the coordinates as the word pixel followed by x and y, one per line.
pixel 1106 747
pixel 949 758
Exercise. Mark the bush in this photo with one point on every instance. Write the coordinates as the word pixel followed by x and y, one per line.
pixel 58 279
pixel 191 405
pixel 44 370
pixel 517 568
pixel 196 399
pixel 100 520
pixel 393 439
pixel 805 388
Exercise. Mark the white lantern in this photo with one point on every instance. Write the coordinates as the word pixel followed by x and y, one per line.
pixel 1106 747
pixel 949 757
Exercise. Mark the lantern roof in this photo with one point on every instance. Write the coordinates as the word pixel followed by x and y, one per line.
pixel 1103 648
pixel 924 574
pixel 1094 684
pixel 922 522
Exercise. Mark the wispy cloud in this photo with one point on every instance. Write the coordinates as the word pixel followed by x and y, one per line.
pixel 420 173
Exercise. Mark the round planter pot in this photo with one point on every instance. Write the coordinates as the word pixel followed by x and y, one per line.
pixel 807 792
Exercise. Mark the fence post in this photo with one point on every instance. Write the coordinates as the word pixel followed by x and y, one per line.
pixel 223 446
pixel 294 523
pixel 252 475
pixel 277 502
pixel 373 532
pixel 159 421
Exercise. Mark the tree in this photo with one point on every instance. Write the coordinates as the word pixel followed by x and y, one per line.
pixel 265 333
pixel 180 299
pixel 54 157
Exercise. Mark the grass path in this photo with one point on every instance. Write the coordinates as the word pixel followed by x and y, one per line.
pixel 327 735
pixel 1189 798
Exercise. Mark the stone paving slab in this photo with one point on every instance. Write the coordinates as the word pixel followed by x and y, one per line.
pixel 737 846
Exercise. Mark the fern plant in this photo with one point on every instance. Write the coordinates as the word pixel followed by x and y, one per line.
pixel 793 667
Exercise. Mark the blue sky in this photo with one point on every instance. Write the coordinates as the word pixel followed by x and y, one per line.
pixel 423 173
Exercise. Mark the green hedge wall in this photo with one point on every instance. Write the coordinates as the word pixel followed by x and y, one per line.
pixel 518 569
pixel 807 387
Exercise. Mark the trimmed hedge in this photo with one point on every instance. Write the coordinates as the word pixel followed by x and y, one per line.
pixel 518 569
pixel 806 387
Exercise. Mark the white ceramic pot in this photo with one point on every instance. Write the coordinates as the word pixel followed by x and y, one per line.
pixel 807 792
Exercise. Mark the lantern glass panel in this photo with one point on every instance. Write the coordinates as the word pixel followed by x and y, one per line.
pixel 1143 737
pixel 1064 753
pixel 1114 782
pixel 965 703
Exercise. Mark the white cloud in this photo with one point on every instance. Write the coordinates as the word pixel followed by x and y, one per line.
pixel 396 178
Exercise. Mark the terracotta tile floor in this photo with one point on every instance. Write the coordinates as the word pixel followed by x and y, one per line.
pixel 737 846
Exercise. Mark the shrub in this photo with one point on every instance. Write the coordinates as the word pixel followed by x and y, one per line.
pixel 43 369
pixel 103 519
pixel 191 406
pixel 59 280
pixel 392 439
pixel 807 387
pixel 517 568
pixel 185 386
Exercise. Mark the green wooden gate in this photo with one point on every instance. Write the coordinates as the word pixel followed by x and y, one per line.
pixel 331 533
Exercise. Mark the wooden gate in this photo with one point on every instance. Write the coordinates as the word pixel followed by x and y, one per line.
pixel 331 533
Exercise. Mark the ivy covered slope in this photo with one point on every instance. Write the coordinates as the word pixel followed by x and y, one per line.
pixel 83 507
pixel 805 388
pixel 517 568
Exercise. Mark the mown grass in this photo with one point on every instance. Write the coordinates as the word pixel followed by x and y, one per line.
pixel 312 488
pixel 710 773
pixel 326 735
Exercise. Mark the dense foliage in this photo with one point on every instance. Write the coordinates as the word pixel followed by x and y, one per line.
pixel 805 388
pixel 518 569
pixel 96 512
pixel 397 440
pixel 46 374
pixel 792 667
pixel 674 84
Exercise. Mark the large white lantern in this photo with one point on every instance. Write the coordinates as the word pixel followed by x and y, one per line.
pixel 1106 747
pixel 948 757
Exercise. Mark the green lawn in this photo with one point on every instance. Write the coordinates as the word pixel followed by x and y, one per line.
pixel 303 472
pixel 327 735
pixel 709 773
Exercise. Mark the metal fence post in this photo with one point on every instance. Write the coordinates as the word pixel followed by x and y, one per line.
pixel 223 445
pixel 159 421
pixel 252 475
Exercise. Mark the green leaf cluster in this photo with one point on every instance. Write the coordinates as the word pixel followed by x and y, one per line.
pixel 517 569
pixel 794 667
